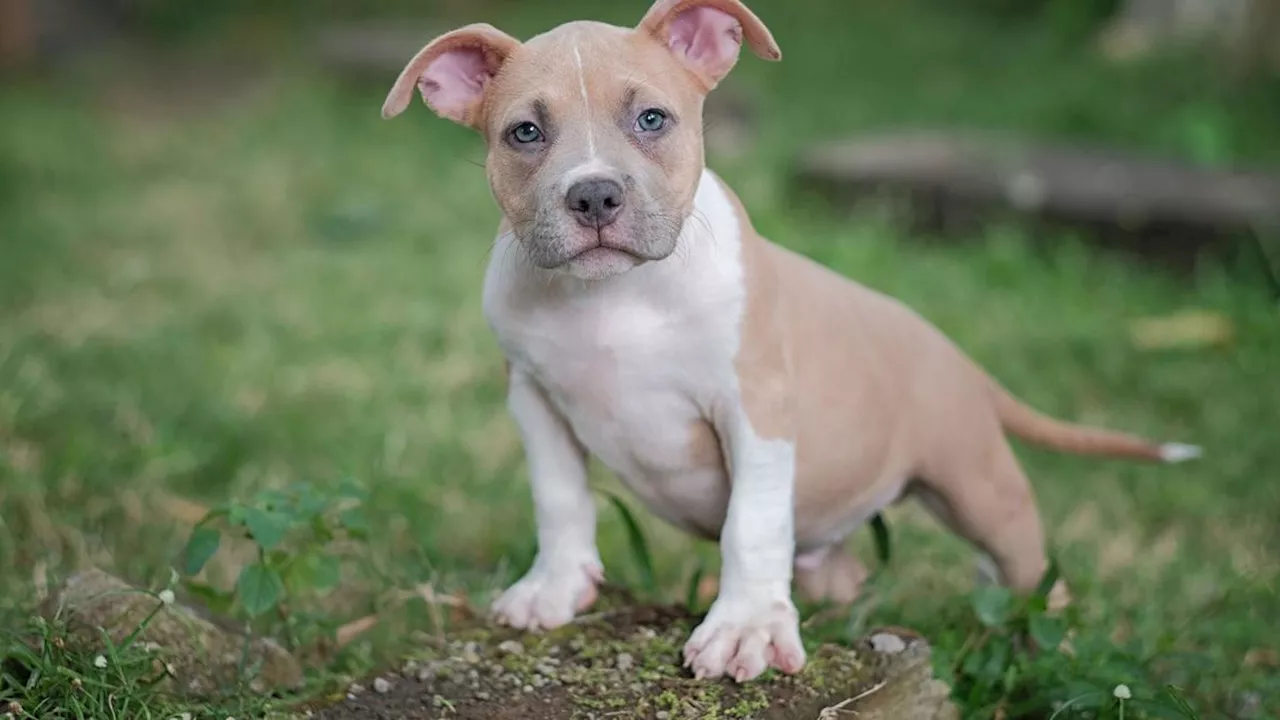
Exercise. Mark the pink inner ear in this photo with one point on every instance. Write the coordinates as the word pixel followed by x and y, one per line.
pixel 455 81
pixel 709 39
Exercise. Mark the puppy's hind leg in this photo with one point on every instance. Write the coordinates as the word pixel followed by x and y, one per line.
pixel 987 499
pixel 832 573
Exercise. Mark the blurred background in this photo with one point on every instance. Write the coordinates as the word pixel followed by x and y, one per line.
pixel 222 272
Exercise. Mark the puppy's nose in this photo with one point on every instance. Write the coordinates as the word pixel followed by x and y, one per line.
pixel 595 202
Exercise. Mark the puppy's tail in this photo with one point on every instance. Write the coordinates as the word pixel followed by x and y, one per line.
pixel 1040 429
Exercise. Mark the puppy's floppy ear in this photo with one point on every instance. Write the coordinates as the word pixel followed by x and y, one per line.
pixel 452 73
pixel 706 35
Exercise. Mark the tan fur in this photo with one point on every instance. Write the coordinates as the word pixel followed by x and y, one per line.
pixel 937 416
pixel 834 399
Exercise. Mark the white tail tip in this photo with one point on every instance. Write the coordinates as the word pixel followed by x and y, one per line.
pixel 1179 452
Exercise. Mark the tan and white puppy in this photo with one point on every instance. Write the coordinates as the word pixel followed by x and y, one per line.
pixel 743 392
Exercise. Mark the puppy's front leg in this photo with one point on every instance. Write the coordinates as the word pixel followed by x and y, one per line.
pixel 563 578
pixel 753 624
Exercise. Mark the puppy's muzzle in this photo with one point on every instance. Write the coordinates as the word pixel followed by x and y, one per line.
pixel 595 202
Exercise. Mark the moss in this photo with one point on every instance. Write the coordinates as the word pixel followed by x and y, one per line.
pixel 752 700
pixel 626 664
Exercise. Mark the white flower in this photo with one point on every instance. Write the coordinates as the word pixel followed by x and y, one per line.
pixel 100 661
pixel 166 597
pixel 1122 692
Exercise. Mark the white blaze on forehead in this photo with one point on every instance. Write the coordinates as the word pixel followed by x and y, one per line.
pixel 593 167
pixel 586 103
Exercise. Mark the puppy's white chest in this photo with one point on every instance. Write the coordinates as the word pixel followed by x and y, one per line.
pixel 637 364
pixel 631 373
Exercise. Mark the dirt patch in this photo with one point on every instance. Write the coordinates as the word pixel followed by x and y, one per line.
pixel 624 662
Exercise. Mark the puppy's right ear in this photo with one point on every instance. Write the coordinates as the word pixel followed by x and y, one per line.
pixel 452 73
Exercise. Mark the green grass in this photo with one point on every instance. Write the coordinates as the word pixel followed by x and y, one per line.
pixel 209 294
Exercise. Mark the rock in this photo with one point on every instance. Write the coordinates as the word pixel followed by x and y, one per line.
pixel 887 643
pixel 203 657
pixel 625 663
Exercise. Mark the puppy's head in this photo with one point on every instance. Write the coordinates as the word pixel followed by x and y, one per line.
pixel 594 132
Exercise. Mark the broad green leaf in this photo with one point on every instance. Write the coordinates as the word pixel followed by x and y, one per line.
pixel 267 527
pixel 311 505
pixel 259 588
pixel 1046 631
pixel 326 572
pixel 201 546
pixel 992 604
pixel 273 499
pixel 352 489
pixel 215 600
pixel 315 572
pixel 354 523
pixel 639 546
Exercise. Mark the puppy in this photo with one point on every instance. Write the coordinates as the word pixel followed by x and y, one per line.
pixel 743 392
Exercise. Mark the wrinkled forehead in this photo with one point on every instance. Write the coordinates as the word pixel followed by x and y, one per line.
pixel 586 70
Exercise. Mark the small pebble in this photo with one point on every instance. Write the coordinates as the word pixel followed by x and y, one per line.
pixel 545 669
pixel 410 668
pixel 437 701
pixel 355 689
pixel 382 686
pixel 527 688
pixel 511 647
pixel 1249 705
pixel 625 661
pixel 425 674
pixel 482 695
pixel 887 643
pixel 663 715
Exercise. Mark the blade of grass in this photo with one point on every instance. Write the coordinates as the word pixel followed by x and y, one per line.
pixel 639 546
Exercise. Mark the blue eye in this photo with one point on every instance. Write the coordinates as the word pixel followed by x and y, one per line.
pixel 525 133
pixel 651 120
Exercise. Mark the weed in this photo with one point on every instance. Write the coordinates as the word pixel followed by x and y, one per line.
pixel 293 530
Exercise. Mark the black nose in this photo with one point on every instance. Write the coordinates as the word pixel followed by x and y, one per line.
pixel 595 202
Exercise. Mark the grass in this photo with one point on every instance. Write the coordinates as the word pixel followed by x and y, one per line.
pixel 208 294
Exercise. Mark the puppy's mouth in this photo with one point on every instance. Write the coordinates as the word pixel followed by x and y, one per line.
pixel 622 244
pixel 602 248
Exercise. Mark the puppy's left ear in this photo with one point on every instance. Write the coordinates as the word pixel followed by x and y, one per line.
pixel 706 35
pixel 453 73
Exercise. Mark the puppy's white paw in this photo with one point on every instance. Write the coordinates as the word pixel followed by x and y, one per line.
pixel 550 594
pixel 742 636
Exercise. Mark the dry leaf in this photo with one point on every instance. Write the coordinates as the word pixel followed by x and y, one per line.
pixel 1262 657
pixel 1195 328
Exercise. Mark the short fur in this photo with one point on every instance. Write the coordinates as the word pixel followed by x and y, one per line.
pixel 745 393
